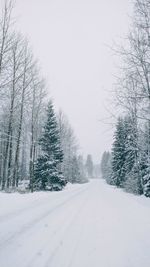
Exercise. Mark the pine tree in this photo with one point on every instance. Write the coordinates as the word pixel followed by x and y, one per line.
pixel 75 170
pixel 125 159
pixel 132 181
pixel 145 162
pixel 105 164
pixel 47 168
pixel 118 154
pixel 131 149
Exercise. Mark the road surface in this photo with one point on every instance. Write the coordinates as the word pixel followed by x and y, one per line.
pixel 90 225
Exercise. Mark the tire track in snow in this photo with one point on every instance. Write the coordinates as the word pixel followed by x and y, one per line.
pixel 25 228
pixel 13 215
pixel 81 233
pixel 34 204
pixel 57 233
pixel 76 245
pixel 63 236
pixel 67 228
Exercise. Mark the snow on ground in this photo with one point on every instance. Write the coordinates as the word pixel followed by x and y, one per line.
pixel 90 225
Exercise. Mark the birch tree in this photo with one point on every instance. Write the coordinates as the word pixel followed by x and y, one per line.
pixel 5 33
pixel 15 65
pixel 24 86
pixel 38 93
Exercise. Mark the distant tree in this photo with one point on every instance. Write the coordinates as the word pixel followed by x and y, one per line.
pixel 89 166
pixel 105 164
pixel 47 169
pixel 69 145
pixel 75 170
pixel 97 171
pixel 82 172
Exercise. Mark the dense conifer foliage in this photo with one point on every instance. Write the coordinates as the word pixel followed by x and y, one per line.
pixel 130 164
pixel 47 169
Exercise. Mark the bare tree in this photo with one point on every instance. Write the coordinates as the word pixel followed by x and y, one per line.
pixel 26 80
pixel 22 92
pixel 15 65
pixel 38 93
pixel 5 34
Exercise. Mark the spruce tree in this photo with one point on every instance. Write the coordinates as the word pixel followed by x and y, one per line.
pixel 105 164
pixel 118 154
pixel 75 171
pixel 145 161
pixel 47 169
pixel 82 173
pixel 132 181
pixel 125 159
pixel 131 149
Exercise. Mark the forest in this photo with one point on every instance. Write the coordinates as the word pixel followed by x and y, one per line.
pixel 38 147
pixel 128 164
pixel 74 173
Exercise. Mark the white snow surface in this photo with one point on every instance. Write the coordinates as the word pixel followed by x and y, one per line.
pixel 90 225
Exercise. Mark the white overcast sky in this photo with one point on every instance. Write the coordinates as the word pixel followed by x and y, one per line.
pixel 71 38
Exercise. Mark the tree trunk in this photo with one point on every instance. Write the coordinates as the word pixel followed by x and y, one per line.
pixel 15 172
pixel 9 163
pixel 8 142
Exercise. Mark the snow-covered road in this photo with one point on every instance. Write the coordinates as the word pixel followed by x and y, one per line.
pixel 90 225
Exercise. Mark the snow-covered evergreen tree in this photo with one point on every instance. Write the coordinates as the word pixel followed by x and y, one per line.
pixel 126 171
pixel 75 170
pixel 47 168
pixel 145 162
pixel 118 154
pixel 132 181
pixel 105 164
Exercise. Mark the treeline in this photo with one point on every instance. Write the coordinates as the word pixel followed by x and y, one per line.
pixel 128 164
pixel 36 144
